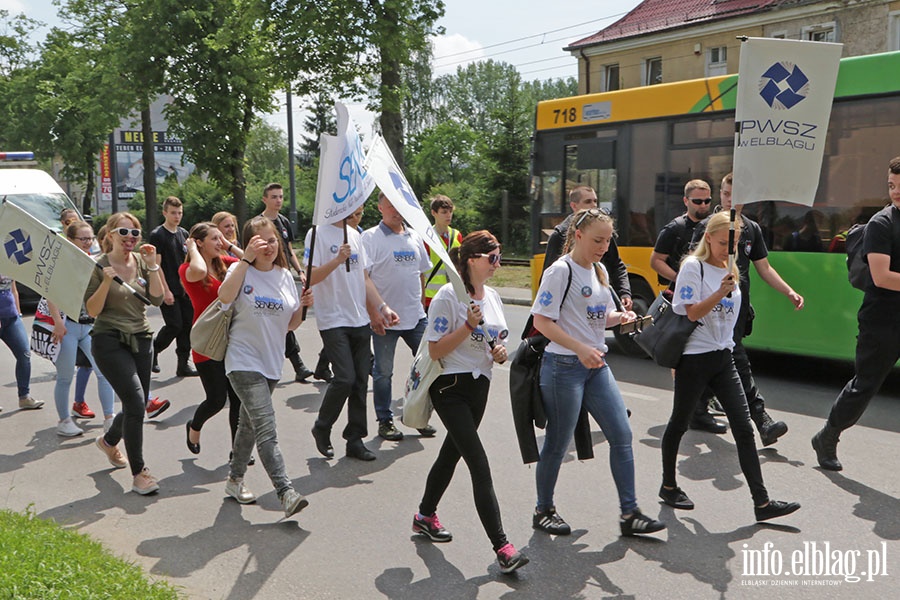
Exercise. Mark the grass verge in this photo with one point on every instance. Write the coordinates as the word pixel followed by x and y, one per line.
pixel 39 560
pixel 515 277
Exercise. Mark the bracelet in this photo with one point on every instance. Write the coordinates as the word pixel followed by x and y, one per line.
pixel 381 306
pixel 469 326
pixel 153 270
pixel 247 261
pixel 230 247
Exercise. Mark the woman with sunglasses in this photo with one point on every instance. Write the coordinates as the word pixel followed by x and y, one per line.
pixel 707 292
pixel 458 336
pixel 574 306
pixel 266 305
pixel 201 275
pixel 122 343
pixel 74 334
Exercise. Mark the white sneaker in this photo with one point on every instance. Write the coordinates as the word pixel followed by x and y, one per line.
pixel 107 424
pixel 29 403
pixel 144 483
pixel 293 502
pixel 68 428
pixel 237 490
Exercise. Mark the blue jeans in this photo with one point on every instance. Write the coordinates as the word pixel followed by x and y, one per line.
pixel 383 347
pixel 78 336
pixel 566 385
pixel 257 426
pixel 12 332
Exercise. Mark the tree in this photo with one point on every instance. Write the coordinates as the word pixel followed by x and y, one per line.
pixel 321 120
pixel 401 28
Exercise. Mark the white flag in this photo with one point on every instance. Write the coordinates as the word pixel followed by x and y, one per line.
pixel 45 261
pixel 784 95
pixel 343 184
pixel 382 167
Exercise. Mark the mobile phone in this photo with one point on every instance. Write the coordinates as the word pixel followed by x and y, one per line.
pixel 635 326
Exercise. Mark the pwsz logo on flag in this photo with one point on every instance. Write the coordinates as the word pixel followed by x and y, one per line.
pixel 783 85
pixel 18 246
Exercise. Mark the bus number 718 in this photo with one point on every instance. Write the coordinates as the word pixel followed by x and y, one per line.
pixel 568 115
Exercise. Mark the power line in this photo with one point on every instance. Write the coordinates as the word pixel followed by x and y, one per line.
pixel 465 60
pixel 528 37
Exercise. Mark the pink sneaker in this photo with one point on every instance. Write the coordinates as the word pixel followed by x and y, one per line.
pixel 81 410
pixel 156 407
pixel 144 483
pixel 115 457
pixel 510 559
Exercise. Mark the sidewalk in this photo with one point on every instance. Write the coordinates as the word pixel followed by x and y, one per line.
pixel 516 296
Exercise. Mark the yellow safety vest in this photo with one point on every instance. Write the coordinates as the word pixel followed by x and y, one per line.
pixel 440 277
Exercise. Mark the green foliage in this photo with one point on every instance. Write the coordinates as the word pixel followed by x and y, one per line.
pixel 42 560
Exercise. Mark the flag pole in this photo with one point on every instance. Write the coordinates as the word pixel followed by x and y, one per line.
pixel 731 255
pixel 347 262
pixel 309 263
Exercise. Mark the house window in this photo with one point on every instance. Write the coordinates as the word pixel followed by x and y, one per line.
pixel 894 30
pixel 823 32
pixel 610 78
pixel 779 35
pixel 717 61
pixel 653 71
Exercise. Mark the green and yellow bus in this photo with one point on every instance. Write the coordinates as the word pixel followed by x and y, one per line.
pixel 638 147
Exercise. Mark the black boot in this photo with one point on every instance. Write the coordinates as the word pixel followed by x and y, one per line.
pixel 155 366
pixel 769 430
pixel 825 444
pixel 185 368
pixel 301 372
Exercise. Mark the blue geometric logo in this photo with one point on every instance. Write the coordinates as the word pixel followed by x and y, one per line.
pixel 545 299
pixel 783 85
pixel 441 324
pixel 18 246
pixel 687 292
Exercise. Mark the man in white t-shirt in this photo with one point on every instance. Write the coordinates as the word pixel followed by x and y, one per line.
pixel 398 264
pixel 347 304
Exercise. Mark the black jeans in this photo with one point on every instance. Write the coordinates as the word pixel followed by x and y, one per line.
pixel 877 350
pixel 218 389
pixel 459 400
pixel 755 401
pixel 178 318
pixel 716 370
pixel 129 375
pixel 350 352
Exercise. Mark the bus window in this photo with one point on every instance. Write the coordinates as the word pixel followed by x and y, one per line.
pixel 648 176
pixel 593 163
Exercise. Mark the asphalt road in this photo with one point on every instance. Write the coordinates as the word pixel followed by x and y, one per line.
pixel 354 539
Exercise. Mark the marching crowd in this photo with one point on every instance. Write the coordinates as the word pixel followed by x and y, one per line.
pixel 376 287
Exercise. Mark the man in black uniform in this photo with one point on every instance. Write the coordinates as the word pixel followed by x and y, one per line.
pixel 751 248
pixel 177 310
pixel 672 244
pixel 580 198
pixel 878 343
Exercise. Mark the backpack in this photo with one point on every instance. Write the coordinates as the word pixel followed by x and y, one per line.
pixel 857 265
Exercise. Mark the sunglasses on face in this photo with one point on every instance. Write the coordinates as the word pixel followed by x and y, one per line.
pixel 123 231
pixel 699 201
pixel 594 212
pixel 85 239
pixel 492 258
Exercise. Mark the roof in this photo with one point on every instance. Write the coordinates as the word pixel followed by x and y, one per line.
pixel 652 16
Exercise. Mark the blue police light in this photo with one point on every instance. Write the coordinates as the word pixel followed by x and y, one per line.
pixel 16 155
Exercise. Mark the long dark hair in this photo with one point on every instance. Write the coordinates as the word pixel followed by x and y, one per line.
pixel 257 224
pixel 199 232
pixel 477 242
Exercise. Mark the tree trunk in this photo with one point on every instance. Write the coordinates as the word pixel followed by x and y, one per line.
pixel 238 181
pixel 391 95
pixel 149 162
pixel 90 165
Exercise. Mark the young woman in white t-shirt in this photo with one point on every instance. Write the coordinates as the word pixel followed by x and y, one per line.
pixel 266 306
pixel 574 372
pixel 707 292
pixel 458 336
